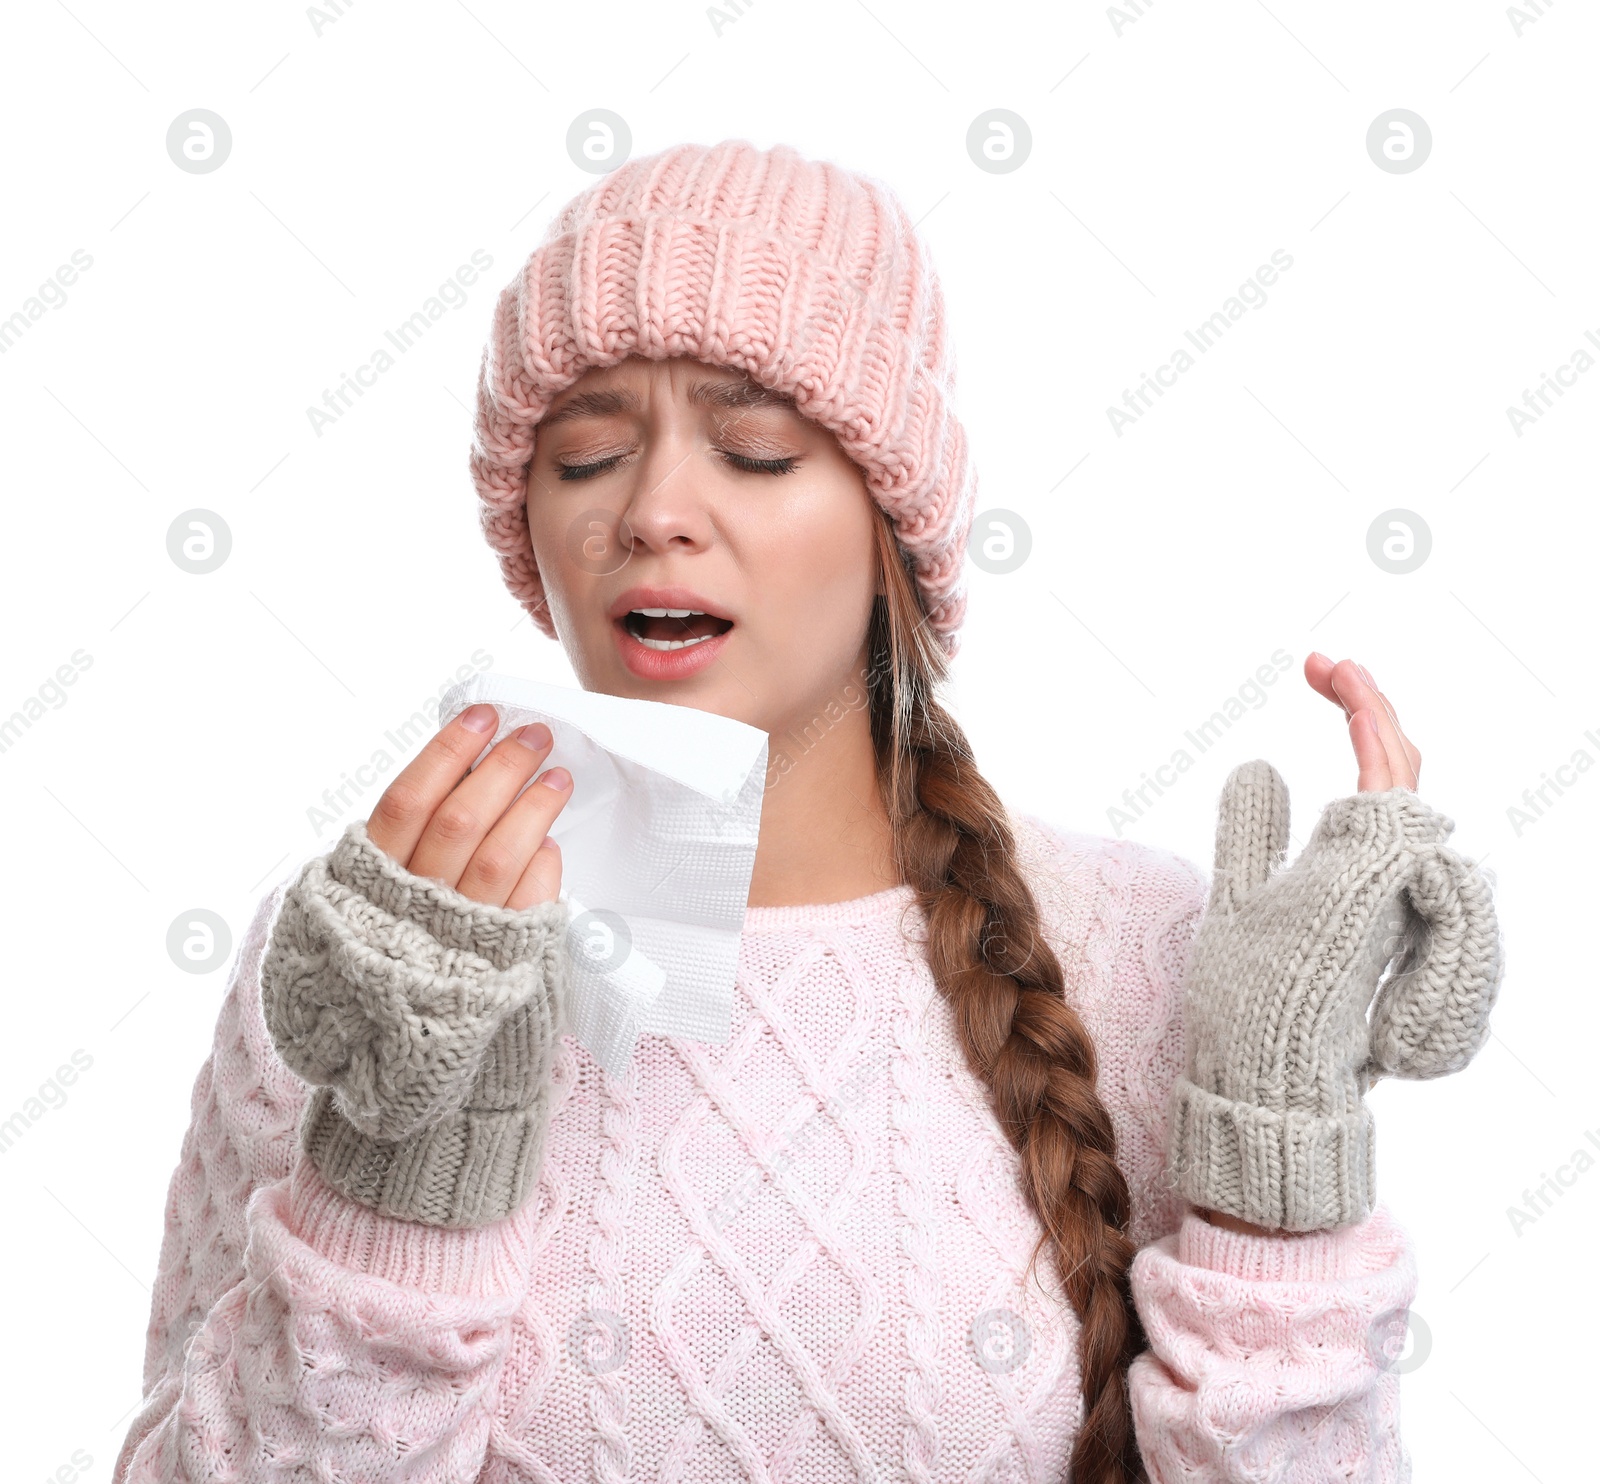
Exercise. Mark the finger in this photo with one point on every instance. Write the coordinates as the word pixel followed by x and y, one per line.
pixel 498 864
pixel 1372 760
pixel 1382 700
pixel 461 823
pixel 405 807
pixel 1399 760
pixel 1351 681
pixel 1355 684
pixel 541 882
pixel 1319 675
pixel 1412 754
pixel 1355 690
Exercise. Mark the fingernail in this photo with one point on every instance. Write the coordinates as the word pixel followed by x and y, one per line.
pixel 556 778
pixel 1367 676
pixel 479 718
pixel 535 735
pixel 1372 721
pixel 1317 654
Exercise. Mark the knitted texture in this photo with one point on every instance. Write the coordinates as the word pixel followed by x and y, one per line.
pixel 426 1022
pixel 1269 1124
pixel 800 1255
pixel 804 275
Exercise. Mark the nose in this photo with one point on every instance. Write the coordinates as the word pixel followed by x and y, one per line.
pixel 667 509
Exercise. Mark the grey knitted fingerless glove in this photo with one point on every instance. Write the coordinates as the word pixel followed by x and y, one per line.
pixel 1268 1124
pixel 425 1022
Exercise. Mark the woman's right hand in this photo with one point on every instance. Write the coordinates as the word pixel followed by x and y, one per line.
pixel 471 830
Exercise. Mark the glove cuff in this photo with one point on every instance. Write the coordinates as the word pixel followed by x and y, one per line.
pixel 473 1167
pixel 426 1024
pixel 1289 1171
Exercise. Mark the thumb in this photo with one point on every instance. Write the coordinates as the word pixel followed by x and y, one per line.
pixel 1252 831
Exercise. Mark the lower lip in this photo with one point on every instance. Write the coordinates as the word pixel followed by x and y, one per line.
pixel 666 664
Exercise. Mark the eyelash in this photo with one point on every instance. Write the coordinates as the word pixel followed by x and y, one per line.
pixel 739 461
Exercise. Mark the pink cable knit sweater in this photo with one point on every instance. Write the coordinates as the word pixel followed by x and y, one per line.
pixel 797 1257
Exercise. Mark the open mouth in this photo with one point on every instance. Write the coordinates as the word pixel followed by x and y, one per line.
pixel 673 628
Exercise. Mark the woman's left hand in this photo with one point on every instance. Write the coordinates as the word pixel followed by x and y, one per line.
pixel 1385 756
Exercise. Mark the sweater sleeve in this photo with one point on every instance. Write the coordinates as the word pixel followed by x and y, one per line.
pixel 1270 1357
pixel 295 1333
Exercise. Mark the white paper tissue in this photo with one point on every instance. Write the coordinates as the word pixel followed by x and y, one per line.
pixel 658 843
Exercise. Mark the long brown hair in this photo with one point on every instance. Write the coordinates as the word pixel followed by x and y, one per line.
pixel 1021 1036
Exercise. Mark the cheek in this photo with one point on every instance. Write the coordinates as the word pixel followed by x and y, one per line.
pixel 560 545
pixel 817 569
pixel 544 536
pixel 547 553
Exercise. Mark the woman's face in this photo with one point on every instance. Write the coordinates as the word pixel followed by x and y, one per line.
pixel 674 485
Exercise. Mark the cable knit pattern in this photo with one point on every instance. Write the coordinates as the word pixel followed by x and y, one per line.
pixel 426 1022
pixel 802 1254
pixel 808 277
pixel 1269 1124
pixel 1324 1315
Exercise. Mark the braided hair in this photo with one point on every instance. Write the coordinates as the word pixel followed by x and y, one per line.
pixel 1020 1035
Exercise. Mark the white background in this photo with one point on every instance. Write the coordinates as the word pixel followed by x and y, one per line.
pixel 1172 152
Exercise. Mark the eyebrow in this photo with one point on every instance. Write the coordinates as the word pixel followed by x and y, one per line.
pixel 726 395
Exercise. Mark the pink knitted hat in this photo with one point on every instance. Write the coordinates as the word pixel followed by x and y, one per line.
pixel 806 276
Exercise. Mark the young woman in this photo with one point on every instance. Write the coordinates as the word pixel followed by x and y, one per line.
pixel 960 1199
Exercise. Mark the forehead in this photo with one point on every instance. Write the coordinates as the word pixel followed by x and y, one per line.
pixel 706 389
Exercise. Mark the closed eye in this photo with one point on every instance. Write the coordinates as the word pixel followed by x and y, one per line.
pixel 761 466
pixel 738 460
pixel 588 471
